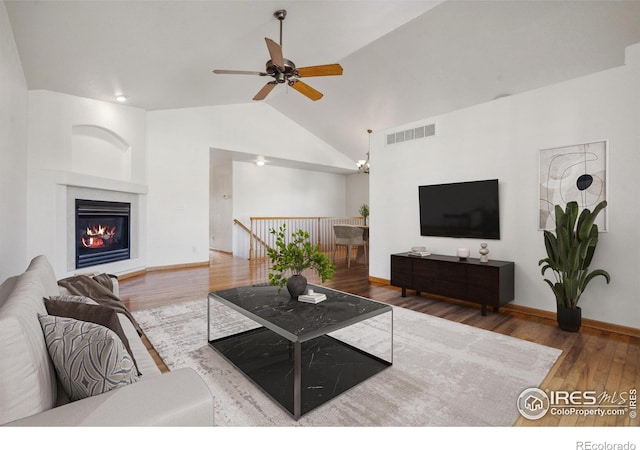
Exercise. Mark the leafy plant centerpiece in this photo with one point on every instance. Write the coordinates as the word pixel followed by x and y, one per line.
pixel 569 254
pixel 292 255
pixel 364 212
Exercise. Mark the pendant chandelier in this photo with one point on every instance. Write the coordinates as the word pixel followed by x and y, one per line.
pixel 364 165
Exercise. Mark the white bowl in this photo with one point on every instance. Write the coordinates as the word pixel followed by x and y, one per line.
pixel 418 249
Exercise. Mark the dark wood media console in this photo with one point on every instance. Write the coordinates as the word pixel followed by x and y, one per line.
pixel 490 283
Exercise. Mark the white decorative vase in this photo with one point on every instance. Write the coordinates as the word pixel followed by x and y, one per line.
pixel 462 253
pixel 484 251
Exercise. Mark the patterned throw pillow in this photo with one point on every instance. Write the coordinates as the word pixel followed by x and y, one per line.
pixel 101 315
pixel 90 359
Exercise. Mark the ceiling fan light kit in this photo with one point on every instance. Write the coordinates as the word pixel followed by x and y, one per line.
pixel 283 70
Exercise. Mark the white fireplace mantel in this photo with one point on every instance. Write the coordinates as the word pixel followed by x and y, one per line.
pixel 74 186
pixel 92 182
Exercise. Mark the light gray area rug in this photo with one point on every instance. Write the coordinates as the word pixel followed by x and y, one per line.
pixel 443 373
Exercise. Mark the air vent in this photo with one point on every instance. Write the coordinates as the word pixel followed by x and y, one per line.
pixel 411 134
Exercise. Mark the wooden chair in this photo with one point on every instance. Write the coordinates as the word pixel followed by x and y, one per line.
pixel 349 236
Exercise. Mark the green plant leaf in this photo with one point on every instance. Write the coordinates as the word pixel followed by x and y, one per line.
pixel 585 228
pixel 596 273
pixel 551 244
pixel 571 216
pixel 570 252
pixel 293 253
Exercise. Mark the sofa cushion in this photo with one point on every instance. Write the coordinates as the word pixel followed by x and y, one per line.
pixel 27 377
pixel 146 364
pixel 94 313
pixel 90 359
pixel 40 265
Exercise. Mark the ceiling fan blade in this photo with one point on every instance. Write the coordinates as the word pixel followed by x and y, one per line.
pixel 275 51
pixel 238 72
pixel 320 71
pixel 305 89
pixel 262 94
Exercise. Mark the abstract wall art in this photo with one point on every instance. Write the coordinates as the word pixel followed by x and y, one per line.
pixel 574 173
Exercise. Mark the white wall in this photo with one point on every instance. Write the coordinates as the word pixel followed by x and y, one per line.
pixel 54 171
pixel 13 154
pixel 501 139
pixel 221 205
pixel 357 193
pixel 179 142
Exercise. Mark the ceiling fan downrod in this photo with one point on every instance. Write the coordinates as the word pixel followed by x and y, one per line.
pixel 280 15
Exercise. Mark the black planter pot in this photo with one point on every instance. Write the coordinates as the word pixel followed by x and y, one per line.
pixel 569 319
pixel 296 285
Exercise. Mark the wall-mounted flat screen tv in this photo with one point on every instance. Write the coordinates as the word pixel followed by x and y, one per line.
pixel 463 210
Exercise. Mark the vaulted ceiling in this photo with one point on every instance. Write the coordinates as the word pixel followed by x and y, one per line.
pixel 403 60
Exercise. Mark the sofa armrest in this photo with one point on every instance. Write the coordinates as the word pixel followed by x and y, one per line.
pixel 178 398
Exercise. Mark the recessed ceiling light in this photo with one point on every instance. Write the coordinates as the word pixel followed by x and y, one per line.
pixel 121 98
pixel 260 161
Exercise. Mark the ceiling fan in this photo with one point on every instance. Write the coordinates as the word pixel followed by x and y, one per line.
pixel 285 71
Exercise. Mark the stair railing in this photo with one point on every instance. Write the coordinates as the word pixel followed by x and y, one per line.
pixel 320 230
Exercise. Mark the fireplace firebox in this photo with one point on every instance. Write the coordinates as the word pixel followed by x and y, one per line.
pixel 102 232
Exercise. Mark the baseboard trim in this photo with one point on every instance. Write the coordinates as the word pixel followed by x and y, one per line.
pixel 534 312
pixel 178 266
pixel 140 272
pixel 135 273
pixel 591 323
pixel 379 281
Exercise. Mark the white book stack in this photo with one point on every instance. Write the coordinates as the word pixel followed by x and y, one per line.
pixel 312 297
pixel 419 253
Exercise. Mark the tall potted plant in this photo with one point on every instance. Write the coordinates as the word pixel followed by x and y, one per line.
pixel 569 254
pixel 291 256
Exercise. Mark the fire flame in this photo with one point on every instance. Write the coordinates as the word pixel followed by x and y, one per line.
pixel 98 236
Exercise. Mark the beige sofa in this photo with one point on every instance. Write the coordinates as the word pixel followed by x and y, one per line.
pixel 31 394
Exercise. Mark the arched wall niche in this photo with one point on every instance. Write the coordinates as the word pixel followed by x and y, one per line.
pixel 100 152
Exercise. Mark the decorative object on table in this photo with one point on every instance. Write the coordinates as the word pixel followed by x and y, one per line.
pixel 463 253
pixel 419 251
pixel 364 212
pixel 293 253
pixel 312 297
pixel 569 254
pixel 484 251
pixel 573 173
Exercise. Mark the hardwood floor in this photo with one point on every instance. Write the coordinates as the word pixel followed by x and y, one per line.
pixel 591 360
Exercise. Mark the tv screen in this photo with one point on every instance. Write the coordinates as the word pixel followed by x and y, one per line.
pixel 463 210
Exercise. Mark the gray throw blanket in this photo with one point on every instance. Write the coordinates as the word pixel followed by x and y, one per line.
pixel 98 290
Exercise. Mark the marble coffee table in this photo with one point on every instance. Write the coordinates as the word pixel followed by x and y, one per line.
pixel 302 355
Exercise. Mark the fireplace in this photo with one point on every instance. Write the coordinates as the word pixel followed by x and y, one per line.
pixel 102 232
